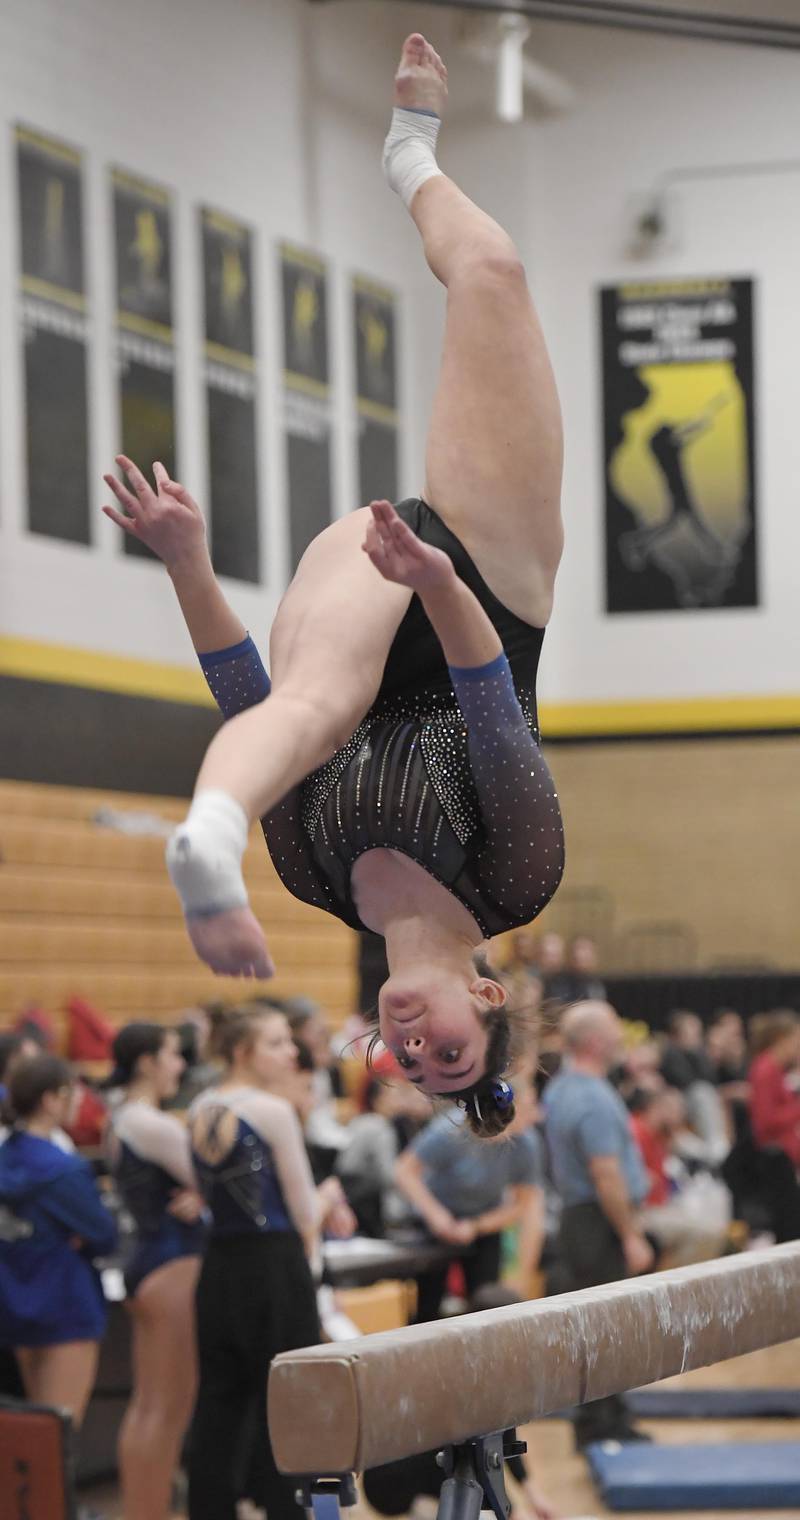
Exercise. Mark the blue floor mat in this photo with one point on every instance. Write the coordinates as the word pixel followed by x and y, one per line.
pixel 759 1475
pixel 714 1403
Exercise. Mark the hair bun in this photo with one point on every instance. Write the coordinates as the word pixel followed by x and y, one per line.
pixel 489 1108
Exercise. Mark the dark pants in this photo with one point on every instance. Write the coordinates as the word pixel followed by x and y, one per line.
pixel 255 1298
pixel 481 1264
pixel 765 1189
pixel 592 1253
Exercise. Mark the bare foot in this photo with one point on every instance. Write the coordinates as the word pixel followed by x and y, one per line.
pixel 420 83
pixel 231 943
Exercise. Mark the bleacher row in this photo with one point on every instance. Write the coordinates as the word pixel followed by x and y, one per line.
pixel 89 911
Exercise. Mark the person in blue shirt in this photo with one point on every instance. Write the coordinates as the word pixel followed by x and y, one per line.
pixel 52 1227
pixel 467 1192
pixel 396 763
pixel 599 1174
pixel 152 1167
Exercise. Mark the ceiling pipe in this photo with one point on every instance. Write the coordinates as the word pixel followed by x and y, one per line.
pixel 512 34
pixel 659 19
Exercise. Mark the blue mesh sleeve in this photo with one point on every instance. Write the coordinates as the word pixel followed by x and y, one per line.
pixel 524 849
pixel 236 677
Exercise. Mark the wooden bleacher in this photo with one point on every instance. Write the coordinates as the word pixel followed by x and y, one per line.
pixel 86 910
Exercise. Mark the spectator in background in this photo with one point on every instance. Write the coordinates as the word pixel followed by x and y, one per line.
pixel 467 1192
pixel 255 1295
pixel 686 1065
pixel 600 1176
pixel 199 1071
pixel 52 1226
pixel 522 968
pixel 684 1059
pixel 151 1162
pixel 774 1099
pixel 581 981
pixel 761 1170
pixel 375 1139
pixel 14 1047
pixel 638 1074
pixel 299 1087
pixel 550 1051
pixel 686 1217
pixel 351 1040
pixel 310 1031
pixel 726 1046
pixel 36 1024
pixel 551 965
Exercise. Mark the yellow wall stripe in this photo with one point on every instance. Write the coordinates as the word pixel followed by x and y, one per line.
pixel 107 672
pixel 673 715
pixel 35 661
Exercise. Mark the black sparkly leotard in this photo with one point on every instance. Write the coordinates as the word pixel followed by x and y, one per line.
pixel 445 768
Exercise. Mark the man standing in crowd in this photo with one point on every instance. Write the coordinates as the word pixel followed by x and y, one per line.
pixel 601 1179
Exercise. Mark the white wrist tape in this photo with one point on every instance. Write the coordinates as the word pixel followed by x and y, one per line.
pixel 204 855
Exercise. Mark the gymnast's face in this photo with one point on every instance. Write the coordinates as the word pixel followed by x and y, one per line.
pixel 434 1023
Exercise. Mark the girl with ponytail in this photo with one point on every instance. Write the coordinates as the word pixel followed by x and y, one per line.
pixel 151 1162
pixel 256 1292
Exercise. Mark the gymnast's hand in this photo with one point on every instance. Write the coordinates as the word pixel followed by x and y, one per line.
pixel 232 943
pixel 400 556
pixel 168 520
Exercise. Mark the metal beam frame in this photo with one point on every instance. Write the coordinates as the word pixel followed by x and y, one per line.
pixel 658 19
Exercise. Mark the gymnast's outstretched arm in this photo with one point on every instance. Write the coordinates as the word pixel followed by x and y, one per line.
pixel 465 631
pixel 523 856
pixel 169 521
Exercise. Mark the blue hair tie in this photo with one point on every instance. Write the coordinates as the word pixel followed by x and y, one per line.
pixel 503 1094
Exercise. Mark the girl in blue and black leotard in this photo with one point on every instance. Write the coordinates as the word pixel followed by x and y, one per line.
pixel 445 772
pixel 152 1166
pixel 256 1294
pixel 52 1227
pixel 395 763
pixel 436 824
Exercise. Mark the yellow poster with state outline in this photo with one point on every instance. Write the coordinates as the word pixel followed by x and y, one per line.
pixel 679 446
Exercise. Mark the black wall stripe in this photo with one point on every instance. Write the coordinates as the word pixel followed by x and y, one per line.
pixel 78 736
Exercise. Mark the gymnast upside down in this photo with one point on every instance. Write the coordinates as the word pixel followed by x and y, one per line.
pixel 394 760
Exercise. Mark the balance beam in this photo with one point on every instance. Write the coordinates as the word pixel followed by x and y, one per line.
pixel 356 1404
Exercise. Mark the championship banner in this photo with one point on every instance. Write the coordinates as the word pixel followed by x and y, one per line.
pixel 230 379
pixel 145 341
pixel 376 390
pixel 306 397
pixel 55 332
pixel 679 445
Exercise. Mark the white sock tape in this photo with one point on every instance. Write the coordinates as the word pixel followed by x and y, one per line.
pixel 409 153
